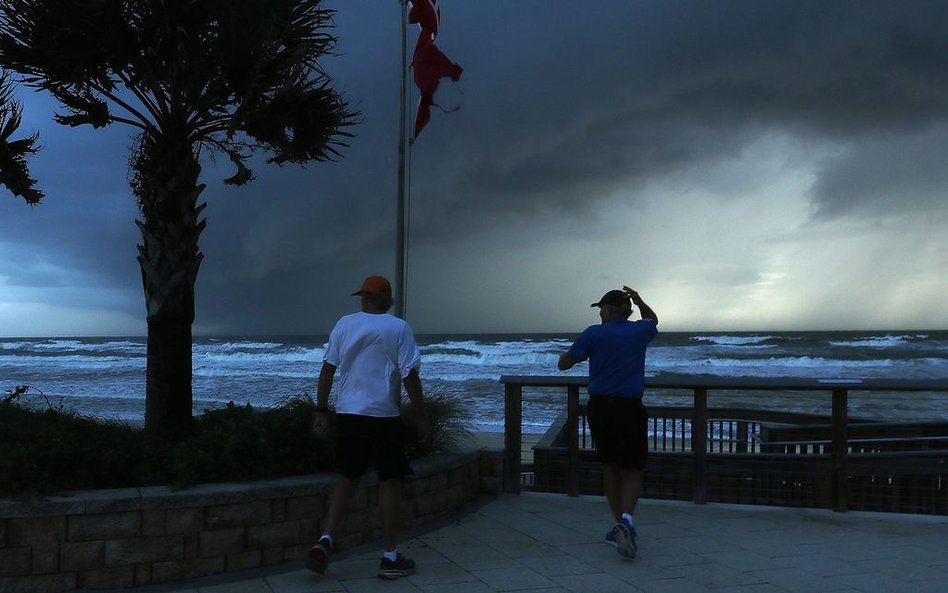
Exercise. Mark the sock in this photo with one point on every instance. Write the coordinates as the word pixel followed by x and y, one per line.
pixel 327 536
pixel 390 556
pixel 628 518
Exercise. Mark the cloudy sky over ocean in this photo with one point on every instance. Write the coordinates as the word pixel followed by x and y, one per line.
pixel 745 165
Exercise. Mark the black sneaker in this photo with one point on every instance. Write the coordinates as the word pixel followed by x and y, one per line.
pixel 318 557
pixel 396 569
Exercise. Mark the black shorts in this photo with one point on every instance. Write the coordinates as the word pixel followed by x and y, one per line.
pixel 364 442
pixel 619 426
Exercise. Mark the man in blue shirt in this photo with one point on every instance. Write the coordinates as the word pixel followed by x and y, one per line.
pixel 618 419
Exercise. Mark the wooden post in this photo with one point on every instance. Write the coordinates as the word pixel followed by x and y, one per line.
pixel 513 399
pixel 699 444
pixel 742 436
pixel 840 450
pixel 572 430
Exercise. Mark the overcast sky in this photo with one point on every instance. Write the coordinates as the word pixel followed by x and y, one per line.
pixel 744 165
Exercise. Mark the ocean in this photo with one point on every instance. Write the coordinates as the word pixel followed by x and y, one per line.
pixel 105 377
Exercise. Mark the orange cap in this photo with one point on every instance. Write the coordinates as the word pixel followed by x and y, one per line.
pixel 375 285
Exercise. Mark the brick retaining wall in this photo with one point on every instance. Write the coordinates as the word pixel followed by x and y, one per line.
pixel 141 536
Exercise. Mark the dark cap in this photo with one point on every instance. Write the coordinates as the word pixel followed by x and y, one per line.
pixel 616 298
pixel 375 285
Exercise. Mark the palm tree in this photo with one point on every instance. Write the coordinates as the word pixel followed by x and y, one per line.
pixel 190 77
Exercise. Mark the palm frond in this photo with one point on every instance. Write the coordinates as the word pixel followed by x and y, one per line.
pixel 84 109
pixel 235 76
pixel 14 171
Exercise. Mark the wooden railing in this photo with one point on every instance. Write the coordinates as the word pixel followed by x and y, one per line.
pixel 838 443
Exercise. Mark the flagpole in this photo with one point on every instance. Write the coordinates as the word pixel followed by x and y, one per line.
pixel 401 289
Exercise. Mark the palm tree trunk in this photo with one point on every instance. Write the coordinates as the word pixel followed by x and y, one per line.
pixel 166 173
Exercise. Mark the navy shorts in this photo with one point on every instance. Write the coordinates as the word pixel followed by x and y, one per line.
pixel 619 426
pixel 367 442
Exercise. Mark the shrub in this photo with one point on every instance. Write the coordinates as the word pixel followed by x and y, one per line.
pixel 45 449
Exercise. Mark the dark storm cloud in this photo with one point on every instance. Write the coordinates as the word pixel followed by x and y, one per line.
pixel 900 177
pixel 564 104
pixel 561 108
pixel 620 97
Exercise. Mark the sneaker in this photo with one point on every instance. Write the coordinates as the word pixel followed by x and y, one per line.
pixel 611 536
pixel 318 557
pixel 400 567
pixel 625 539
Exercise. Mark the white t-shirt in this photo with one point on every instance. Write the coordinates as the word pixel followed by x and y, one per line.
pixel 371 353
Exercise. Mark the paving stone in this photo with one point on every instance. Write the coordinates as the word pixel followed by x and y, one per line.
pixel 512 579
pixel 600 583
pixel 304 581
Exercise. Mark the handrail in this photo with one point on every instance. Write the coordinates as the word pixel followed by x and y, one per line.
pixel 700 386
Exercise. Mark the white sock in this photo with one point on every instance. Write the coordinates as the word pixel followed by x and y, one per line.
pixel 628 518
pixel 390 556
pixel 326 536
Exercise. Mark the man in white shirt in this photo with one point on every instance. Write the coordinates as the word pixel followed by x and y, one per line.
pixel 373 352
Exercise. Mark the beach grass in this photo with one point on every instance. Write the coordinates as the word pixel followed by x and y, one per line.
pixel 45 449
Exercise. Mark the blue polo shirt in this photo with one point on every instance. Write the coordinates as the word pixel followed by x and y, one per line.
pixel 616 354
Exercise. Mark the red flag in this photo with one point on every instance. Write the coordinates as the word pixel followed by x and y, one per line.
pixel 430 65
pixel 427 15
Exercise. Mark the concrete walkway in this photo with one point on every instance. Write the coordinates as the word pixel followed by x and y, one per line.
pixel 546 542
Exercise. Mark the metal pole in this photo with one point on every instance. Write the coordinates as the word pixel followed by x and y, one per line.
pixel 401 290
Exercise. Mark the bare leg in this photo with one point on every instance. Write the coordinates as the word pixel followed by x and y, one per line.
pixel 630 481
pixel 390 498
pixel 611 485
pixel 339 503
